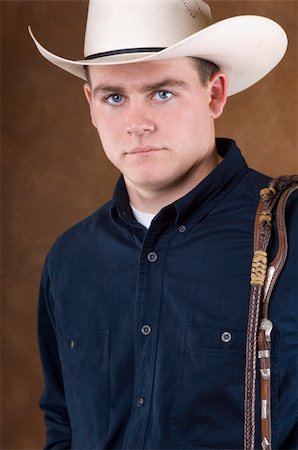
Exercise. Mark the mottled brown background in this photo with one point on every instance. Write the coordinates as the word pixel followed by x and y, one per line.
pixel 55 173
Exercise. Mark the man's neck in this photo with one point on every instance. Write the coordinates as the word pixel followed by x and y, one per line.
pixel 151 201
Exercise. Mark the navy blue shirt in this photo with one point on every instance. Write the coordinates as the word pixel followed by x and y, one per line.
pixel 142 332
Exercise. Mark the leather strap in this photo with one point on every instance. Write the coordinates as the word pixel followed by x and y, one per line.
pixel 259 326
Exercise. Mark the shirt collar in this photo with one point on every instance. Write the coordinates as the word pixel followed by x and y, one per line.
pixel 199 201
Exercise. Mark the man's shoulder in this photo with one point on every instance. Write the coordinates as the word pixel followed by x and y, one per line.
pixel 86 230
pixel 247 191
pixel 250 188
pixel 254 181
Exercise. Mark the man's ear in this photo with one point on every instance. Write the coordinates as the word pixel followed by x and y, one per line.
pixel 88 95
pixel 218 86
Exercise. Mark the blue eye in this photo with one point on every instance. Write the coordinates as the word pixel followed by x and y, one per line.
pixel 114 99
pixel 163 95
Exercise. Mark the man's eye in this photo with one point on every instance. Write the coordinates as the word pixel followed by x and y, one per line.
pixel 162 95
pixel 114 99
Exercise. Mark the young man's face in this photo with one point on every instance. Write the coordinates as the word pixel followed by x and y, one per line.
pixel 155 121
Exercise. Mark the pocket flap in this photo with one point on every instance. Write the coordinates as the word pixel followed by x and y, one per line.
pixel 83 344
pixel 210 340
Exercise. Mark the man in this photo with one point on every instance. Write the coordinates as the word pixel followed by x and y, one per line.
pixel 143 305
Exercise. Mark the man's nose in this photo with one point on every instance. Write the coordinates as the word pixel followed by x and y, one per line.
pixel 139 119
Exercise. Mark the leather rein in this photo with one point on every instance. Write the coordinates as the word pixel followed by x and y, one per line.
pixel 263 279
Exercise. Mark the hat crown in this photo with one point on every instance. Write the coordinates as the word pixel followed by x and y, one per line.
pixel 129 24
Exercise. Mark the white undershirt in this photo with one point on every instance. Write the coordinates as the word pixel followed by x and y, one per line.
pixel 143 218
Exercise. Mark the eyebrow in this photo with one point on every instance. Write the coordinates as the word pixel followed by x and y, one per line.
pixel 167 82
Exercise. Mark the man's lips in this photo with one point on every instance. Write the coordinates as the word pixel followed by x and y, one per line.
pixel 140 150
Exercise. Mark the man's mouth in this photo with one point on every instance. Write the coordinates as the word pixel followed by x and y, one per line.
pixel 143 150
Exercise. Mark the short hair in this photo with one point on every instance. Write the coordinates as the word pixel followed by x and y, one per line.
pixel 87 74
pixel 204 68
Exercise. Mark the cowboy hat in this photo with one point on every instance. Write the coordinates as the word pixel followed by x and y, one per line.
pixel 245 47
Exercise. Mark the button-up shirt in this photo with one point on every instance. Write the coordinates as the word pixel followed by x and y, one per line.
pixel 142 332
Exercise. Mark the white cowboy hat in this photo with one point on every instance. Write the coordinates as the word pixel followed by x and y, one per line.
pixel 127 31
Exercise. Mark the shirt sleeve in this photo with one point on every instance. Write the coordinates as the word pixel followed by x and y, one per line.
pixel 52 401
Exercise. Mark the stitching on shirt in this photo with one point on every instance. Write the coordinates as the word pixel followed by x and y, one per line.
pixel 187 8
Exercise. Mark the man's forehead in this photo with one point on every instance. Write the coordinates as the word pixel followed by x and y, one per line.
pixel 144 76
pixel 155 67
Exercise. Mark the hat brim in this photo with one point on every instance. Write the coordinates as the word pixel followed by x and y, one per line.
pixel 246 48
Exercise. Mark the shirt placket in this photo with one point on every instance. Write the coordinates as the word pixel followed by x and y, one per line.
pixel 148 301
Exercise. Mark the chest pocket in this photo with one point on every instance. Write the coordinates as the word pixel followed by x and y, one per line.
pixel 208 403
pixel 84 360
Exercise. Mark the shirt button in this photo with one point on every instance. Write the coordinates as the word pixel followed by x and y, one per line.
pixel 141 401
pixel 182 228
pixel 145 330
pixel 152 256
pixel 226 336
pixel 72 344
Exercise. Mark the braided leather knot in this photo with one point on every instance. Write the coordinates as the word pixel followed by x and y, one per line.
pixel 265 216
pixel 259 268
pixel 267 193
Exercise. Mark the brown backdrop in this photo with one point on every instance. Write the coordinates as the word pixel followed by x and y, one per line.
pixel 54 171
